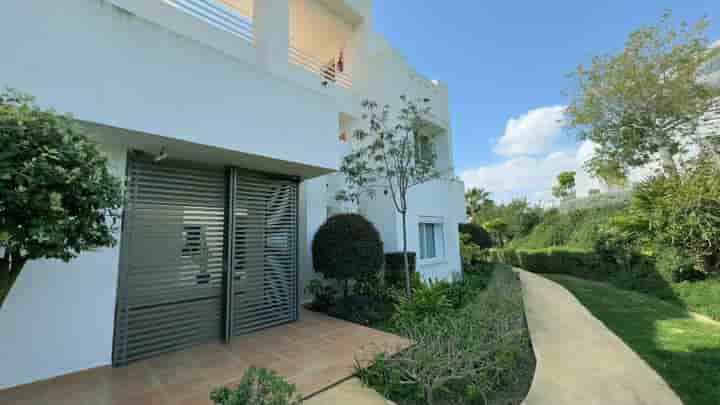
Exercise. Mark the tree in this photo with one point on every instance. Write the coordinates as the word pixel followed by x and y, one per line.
pixel 499 229
pixel 475 200
pixel 565 188
pixel 393 154
pixel 643 104
pixel 57 195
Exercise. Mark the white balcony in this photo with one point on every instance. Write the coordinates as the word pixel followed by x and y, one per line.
pixel 233 16
pixel 322 35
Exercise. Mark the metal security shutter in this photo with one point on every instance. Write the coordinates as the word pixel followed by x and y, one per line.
pixel 264 256
pixel 171 293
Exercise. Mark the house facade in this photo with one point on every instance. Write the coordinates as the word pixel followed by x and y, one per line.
pixel 227 120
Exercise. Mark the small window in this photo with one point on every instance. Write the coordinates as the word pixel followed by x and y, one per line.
pixel 432 240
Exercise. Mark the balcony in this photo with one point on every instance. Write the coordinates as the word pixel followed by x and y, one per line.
pixel 233 16
pixel 322 37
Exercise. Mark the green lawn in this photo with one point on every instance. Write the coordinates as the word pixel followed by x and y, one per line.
pixel 684 351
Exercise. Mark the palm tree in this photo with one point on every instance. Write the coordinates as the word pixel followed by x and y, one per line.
pixel 476 198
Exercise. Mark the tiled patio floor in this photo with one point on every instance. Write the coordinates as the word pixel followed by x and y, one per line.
pixel 313 353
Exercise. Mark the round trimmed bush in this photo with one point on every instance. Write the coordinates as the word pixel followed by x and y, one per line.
pixel 478 235
pixel 345 246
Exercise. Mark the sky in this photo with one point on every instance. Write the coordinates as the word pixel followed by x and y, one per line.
pixel 505 64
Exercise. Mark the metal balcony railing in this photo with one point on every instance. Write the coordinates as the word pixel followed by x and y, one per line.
pixel 218 15
pixel 328 72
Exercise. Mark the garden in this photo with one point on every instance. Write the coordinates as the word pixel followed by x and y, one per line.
pixel 471 343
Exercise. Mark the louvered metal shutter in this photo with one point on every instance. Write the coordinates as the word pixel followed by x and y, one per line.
pixel 264 256
pixel 171 288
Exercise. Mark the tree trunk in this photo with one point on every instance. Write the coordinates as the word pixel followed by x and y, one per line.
pixel 668 163
pixel 10 268
pixel 429 396
pixel 406 264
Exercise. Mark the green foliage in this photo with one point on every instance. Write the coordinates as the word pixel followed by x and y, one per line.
pixel 58 195
pixel 477 200
pixel 577 228
pixel 394 154
pixel 478 235
pixel 464 354
pixel 324 296
pixel 430 300
pixel 258 387
pixel 683 212
pixel 395 269
pixel 346 246
pixel 644 102
pixel 565 188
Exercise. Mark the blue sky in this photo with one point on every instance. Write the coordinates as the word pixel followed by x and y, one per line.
pixel 506 60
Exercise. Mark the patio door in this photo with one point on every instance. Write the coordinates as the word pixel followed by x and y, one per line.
pixel 207 253
pixel 171 285
pixel 263 291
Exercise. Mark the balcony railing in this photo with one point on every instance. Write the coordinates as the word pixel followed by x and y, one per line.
pixel 218 15
pixel 328 72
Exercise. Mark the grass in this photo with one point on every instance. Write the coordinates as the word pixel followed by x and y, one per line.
pixel 700 296
pixel 684 351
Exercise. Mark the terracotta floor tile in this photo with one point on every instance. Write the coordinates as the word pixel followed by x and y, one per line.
pixel 156 397
pixel 313 353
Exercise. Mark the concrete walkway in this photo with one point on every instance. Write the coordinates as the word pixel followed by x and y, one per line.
pixel 580 361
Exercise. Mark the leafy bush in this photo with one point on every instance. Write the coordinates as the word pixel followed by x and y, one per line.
pixel 577 228
pixel 462 356
pixel 324 296
pixel 362 309
pixel 345 246
pixel 395 268
pixel 430 300
pixel 258 387
pixel 478 235
pixel 683 212
pixel 470 254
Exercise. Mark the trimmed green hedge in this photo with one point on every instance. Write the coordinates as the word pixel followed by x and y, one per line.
pixel 640 275
pixel 575 262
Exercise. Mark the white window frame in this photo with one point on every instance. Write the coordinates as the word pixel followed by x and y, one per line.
pixel 439 239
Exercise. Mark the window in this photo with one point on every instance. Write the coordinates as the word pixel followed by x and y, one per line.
pixel 432 240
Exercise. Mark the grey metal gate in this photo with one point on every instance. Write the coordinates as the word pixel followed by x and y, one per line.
pixel 206 253
pixel 264 257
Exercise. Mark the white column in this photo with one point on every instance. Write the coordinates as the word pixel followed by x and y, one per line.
pixel 272 31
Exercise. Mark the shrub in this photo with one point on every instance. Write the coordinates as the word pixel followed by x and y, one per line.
pixel 395 269
pixel 258 387
pixel 323 295
pixel 346 246
pixel 470 253
pixel 478 235
pixel 684 212
pixel 430 300
pixel 461 357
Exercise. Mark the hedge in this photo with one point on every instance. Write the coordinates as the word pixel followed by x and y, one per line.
pixel 641 275
pixel 575 262
pixel 395 267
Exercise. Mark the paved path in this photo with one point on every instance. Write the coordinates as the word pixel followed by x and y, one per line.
pixel 351 392
pixel 579 361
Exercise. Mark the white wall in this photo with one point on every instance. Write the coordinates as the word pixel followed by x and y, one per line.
pixel 59 317
pixel 313 212
pixel 114 68
pixel 437 199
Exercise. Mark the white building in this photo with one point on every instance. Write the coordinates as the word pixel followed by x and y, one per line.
pixel 246 101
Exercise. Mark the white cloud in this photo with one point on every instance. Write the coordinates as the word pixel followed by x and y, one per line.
pixel 531 177
pixel 532 133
